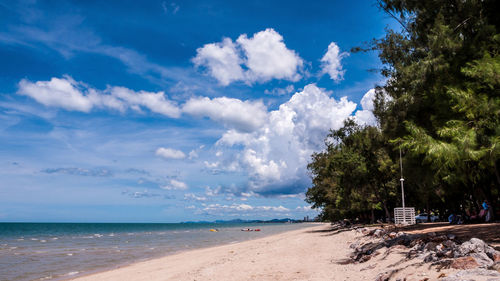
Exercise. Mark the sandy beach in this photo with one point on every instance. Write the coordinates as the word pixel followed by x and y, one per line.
pixel 314 253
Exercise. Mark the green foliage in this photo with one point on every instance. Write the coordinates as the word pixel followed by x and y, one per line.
pixel 440 104
pixel 354 174
pixel 444 90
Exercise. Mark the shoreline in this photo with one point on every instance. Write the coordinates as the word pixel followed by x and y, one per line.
pixel 312 253
pixel 319 252
pixel 87 274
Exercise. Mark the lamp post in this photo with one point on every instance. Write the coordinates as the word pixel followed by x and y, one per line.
pixel 402 186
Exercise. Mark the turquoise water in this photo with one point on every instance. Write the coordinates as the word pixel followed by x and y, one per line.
pixel 54 251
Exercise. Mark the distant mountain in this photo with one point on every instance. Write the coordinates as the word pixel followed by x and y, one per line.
pixel 248 221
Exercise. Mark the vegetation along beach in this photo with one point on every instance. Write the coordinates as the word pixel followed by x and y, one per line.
pixel 249 140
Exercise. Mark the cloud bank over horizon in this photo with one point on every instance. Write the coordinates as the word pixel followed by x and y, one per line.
pixel 272 147
pixel 173 113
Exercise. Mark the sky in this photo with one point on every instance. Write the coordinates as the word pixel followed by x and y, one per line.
pixel 163 111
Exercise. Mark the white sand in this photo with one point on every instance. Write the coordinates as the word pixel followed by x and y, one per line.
pixel 305 254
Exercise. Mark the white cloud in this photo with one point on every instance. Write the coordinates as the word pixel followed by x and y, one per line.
pixel 232 113
pixel 56 92
pixel 193 154
pixel 169 153
pixel 72 95
pixel 365 116
pixel 222 61
pixel 276 155
pixel 331 62
pixel 212 191
pixel 280 91
pixel 175 185
pixel 233 137
pixel 242 208
pixel 211 165
pixel 193 197
pixel 303 208
pixel 265 57
pixel 156 102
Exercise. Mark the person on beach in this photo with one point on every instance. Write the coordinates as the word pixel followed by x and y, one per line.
pixel 487 211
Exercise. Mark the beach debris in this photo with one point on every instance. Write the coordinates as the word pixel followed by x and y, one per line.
pixel 443 251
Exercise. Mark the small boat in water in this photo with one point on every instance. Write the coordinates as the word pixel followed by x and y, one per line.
pixel 214 230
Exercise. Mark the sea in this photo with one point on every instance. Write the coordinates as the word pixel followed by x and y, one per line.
pixel 59 251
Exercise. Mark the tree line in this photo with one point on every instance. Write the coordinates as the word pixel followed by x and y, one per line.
pixel 440 105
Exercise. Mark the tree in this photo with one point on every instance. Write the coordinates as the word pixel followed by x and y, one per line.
pixel 354 175
pixel 443 73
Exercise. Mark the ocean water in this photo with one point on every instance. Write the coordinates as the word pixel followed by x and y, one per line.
pixel 55 251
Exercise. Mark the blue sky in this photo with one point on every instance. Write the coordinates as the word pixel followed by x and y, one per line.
pixel 161 111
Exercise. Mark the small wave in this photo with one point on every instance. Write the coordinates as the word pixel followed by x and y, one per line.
pixel 12 248
pixel 97 235
pixel 72 273
pixel 45 278
pixel 34 239
pixel 55 238
pixel 70 254
pixel 111 235
pixel 43 241
pixel 20 239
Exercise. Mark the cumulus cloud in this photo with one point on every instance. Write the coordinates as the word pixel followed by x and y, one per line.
pixel 222 61
pixel 264 56
pixel 71 95
pixel 175 185
pixel 267 57
pixel 58 93
pixel 276 155
pixel 233 113
pixel 169 153
pixel 365 116
pixel 331 62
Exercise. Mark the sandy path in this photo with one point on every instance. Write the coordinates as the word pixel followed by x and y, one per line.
pixel 305 254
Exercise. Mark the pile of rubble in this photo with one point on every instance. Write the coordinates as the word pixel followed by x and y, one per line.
pixel 443 251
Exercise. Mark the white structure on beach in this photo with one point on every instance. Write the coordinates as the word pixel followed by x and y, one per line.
pixel 403 215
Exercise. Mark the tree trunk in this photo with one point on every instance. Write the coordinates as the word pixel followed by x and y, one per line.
pixel 373 217
pixel 387 213
pixel 428 210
